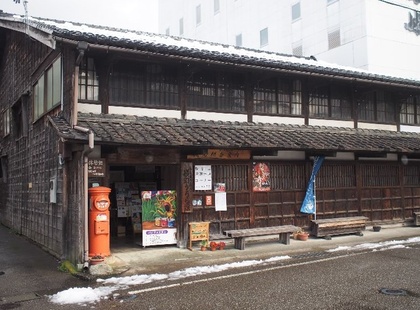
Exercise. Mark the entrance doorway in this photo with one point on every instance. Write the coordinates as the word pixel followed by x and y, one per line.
pixel 127 183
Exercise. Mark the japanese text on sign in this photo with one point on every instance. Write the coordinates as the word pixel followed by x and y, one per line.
pixel 202 177
pixel 96 167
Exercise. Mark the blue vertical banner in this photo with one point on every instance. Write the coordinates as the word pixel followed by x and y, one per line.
pixel 309 203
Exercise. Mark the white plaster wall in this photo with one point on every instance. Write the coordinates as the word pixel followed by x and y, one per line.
pixel 278 120
pixel 331 123
pixel 406 128
pixel 377 126
pixel 212 116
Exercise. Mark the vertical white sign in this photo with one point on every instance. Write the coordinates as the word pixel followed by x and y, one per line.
pixel 202 177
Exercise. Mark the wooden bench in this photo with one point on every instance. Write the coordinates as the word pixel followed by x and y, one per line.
pixel 239 235
pixel 338 226
pixel 416 218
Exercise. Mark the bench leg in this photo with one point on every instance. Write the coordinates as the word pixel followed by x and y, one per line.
pixel 284 238
pixel 240 243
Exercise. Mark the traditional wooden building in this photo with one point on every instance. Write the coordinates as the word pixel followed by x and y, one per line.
pixel 85 105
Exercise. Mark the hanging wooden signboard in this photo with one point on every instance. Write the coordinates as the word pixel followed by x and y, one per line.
pixel 198 231
pixel 96 167
pixel 222 154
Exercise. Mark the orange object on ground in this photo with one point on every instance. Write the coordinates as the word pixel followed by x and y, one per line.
pixel 99 222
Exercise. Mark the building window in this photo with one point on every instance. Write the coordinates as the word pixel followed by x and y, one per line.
pixel 278 97
pixel 376 106
pixel 264 37
pixel 334 39
pixel 198 15
pixel 296 11
pixel 6 122
pixel 47 90
pixel 208 91
pixel 410 110
pixel 238 40
pixel 181 26
pixel 201 91
pixel 88 81
pixel 318 102
pixel 144 85
pixel 216 6
pixel 231 93
pixel 330 102
pixel 265 97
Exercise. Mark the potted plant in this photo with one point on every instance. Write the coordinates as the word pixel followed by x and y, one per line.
pixel 97 259
pixel 203 245
pixel 221 245
pixel 302 235
pixel 213 246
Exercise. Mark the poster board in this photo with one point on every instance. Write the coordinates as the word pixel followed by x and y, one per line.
pixel 198 231
pixel 159 212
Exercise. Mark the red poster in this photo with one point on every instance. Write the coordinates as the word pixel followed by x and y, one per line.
pixel 261 177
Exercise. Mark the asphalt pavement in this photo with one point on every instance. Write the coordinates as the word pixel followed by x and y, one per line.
pixel 28 272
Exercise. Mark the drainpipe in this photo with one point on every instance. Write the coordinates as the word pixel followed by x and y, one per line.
pixel 82 47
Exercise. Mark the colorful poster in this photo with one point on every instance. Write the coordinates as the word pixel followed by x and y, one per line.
pixel 158 217
pixel 261 178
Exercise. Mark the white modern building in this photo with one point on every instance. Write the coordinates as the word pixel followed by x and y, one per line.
pixel 382 36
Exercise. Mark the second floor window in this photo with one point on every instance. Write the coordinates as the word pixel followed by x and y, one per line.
pixel 212 92
pixel 88 81
pixel 410 110
pixel 376 106
pixel 47 90
pixel 278 97
pixel 144 85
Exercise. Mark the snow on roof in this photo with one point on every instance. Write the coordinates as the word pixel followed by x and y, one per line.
pixel 139 38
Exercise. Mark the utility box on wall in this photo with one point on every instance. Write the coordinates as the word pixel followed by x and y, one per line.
pixel 53 189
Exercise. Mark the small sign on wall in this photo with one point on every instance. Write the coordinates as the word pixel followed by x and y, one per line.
pixel 202 177
pixel 96 167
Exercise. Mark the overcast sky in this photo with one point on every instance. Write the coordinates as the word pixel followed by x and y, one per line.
pixel 129 14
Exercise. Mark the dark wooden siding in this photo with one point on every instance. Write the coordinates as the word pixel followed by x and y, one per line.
pixel 388 191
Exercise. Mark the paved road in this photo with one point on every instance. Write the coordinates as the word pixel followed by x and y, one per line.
pixel 345 281
pixel 312 279
pixel 27 272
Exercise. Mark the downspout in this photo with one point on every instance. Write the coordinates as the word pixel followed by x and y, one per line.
pixel 82 47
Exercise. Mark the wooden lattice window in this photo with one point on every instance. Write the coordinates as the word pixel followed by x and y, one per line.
pixel 265 97
pixel 144 85
pixel 411 175
pixel 234 176
pixel 379 175
pixel 201 91
pixel 287 176
pixel 410 110
pixel 336 176
pixel 88 81
pixel 318 102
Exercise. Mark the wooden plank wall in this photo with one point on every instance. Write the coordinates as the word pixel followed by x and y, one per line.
pixel 381 191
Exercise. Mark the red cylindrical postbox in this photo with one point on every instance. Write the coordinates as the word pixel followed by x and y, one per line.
pixel 99 236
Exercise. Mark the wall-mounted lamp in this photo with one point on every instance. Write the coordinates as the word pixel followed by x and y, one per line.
pixel 148 157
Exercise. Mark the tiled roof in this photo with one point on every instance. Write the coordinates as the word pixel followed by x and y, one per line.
pixel 199 50
pixel 149 131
